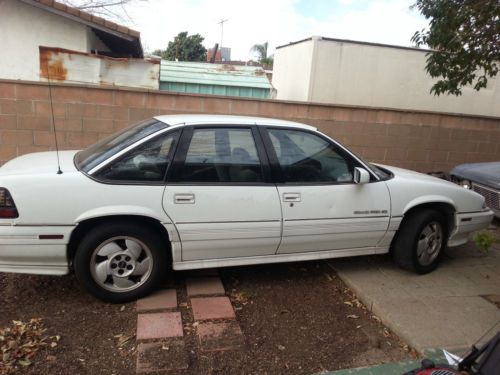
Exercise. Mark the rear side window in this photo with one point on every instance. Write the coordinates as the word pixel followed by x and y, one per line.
pixel 221 155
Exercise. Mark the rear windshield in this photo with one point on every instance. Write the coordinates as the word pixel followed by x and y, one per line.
pixel 97 153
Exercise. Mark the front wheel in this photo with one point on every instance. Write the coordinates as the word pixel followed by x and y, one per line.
pixel 420 241
pixel 120 262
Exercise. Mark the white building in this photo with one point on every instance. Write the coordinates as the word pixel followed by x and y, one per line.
pixel 334 71
pixel 30 27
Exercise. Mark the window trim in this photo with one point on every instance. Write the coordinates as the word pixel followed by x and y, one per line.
pixel 139 143
pixel 276 166
pixel 185 141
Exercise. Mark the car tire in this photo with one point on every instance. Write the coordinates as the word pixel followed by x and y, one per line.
pixel 420 241
pixel 119 262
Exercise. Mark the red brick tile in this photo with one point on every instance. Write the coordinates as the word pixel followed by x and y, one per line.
pixel 7 90
pixel 202 286
pixel 161 357
pixel 30 92
pixel 162 299
pixel 212 308
pixel 216 337
pixel 159 325
pixel 8 121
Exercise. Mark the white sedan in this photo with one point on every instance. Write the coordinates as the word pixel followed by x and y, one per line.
pixel 200 191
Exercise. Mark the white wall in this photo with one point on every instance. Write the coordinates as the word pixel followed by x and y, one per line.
pixel 292 71
pixel 377 76
pixel 23 28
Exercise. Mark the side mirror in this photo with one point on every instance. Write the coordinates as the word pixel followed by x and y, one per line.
pixel 361 176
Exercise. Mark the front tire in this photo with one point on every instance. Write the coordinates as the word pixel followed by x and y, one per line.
pixel 120 262
pixel 420 242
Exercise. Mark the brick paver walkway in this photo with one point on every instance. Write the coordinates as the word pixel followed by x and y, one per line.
pixel 160 331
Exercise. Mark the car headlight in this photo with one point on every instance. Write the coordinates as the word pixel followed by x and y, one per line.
pixel 466 184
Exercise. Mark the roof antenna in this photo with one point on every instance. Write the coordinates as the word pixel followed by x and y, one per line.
pixel 53 120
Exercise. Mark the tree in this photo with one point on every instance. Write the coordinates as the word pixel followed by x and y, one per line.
pixel 114 9
pixel 261 51
pixel 465 38
pixel 184 48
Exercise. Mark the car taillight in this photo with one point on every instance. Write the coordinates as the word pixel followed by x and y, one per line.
pixel 8 209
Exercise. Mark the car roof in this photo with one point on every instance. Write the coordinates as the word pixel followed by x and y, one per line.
pixel 180 120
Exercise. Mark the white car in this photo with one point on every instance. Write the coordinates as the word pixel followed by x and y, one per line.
pixel 200 191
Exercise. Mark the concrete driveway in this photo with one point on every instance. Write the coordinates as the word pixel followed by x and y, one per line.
pixel 450 308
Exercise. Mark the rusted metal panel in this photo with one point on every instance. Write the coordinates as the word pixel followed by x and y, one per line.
pixel 60 65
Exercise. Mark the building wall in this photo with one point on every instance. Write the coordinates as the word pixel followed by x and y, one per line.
pixel 23 28
pixel 292 71
pixel 375 76
pixel 410 139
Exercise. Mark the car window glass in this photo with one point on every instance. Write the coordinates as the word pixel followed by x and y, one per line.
pixel 147 162
pixel 107 147
pixel 305 157
pixel 221 155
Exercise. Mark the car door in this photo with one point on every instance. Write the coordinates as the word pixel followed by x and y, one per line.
pixel 323 209
pixel 220 196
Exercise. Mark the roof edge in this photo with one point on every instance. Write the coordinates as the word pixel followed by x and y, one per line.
pixel 355 42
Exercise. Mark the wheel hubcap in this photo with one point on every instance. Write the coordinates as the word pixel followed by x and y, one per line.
pixel 429 243
pixel 121 264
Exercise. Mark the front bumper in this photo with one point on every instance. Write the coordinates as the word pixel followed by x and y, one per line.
pixel 34 249
pixel 468 222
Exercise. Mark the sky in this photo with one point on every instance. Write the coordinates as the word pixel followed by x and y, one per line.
pixel 278 22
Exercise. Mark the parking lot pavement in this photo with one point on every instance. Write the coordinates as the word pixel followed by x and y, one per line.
pixel 451 307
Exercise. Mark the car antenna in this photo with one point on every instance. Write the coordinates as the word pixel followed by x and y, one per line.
pixel 53 120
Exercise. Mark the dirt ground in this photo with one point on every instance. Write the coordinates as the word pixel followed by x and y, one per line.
pixel 296 319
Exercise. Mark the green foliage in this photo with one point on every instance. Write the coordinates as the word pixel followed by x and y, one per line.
pixel 484 240
pixel 261 51
pixel 465 37
pixel 184 48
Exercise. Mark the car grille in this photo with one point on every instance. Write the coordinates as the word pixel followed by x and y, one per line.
pixel 492 197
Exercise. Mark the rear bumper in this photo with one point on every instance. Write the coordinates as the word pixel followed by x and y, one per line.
pixel 34 249
pixel 467 223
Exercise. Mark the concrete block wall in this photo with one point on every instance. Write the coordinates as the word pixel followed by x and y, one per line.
pixel 416 140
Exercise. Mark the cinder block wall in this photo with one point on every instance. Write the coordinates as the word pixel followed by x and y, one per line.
pixel 416 140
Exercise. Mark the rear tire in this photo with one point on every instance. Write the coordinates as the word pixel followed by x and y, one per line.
pixel 120 262
pixel 420 241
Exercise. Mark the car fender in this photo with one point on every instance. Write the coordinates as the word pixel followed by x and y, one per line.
pixel 426 199
pixel 114 210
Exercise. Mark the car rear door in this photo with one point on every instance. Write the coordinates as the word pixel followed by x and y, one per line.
pixel 323 209
pixel 220 196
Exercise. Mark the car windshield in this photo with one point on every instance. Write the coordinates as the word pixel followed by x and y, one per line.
pixel 97 153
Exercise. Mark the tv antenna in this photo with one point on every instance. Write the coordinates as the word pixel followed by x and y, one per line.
pixel 221 23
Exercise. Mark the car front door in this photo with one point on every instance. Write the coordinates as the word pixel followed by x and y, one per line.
pixel 220 196
pixel 323 209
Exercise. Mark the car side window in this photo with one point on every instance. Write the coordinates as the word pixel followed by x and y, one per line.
pixel 221 155
pixel 306 157
pixel 147 162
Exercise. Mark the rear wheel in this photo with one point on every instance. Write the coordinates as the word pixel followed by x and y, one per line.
pixel 120 262
pixel 420 241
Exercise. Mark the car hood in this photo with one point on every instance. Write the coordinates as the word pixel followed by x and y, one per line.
pixel 484 173
pixel 39 163
pixel 406 173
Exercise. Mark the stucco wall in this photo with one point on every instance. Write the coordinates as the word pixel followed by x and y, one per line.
pixel 409 139
pixel 375 76
pixel 23 28
pixel 292 71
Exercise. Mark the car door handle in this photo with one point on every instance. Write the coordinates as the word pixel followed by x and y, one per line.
pixel 184 198
pixel 291 197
